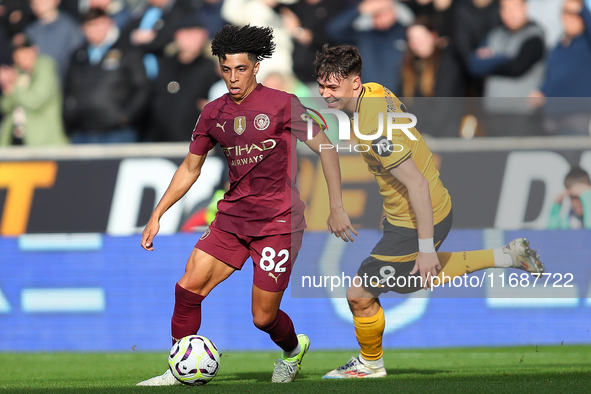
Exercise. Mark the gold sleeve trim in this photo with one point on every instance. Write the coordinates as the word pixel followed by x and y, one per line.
pixel 399 162
pixel 396 259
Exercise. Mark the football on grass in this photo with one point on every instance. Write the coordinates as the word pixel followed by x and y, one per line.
pixel 194 360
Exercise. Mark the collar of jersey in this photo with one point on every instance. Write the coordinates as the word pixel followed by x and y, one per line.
pixel 358 108
pixel 257 88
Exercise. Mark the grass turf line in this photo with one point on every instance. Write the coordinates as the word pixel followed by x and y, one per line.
pixel 530 369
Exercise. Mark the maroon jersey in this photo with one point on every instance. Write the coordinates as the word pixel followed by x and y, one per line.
pixel 258 137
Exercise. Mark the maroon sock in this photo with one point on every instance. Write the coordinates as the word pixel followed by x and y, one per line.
pixel 186 318
pixel 282 332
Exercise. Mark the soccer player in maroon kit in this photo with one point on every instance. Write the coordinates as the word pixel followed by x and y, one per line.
pixel 261 215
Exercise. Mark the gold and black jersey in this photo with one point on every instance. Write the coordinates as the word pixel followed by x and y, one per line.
pixel 382 155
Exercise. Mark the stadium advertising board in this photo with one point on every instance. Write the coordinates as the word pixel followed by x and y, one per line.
pixel 94 292
pixel 491 187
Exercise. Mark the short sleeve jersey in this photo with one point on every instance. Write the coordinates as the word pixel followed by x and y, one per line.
pixel 258 137
pixel 382 155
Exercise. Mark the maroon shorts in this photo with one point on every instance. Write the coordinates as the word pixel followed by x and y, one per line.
pixel 272 255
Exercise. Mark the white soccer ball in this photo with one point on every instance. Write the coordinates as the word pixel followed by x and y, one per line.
pixel 194 360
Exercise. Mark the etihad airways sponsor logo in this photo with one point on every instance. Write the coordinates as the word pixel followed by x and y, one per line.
pixel 245 150
pixel 246 160
pixel 240 150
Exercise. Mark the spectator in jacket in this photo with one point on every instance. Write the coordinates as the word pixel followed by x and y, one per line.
pixel 473 19
pixel 512 60
pixel 107 89
pixel 56 33
pixel 155 28
pixel 306 21
pixel 31 102
pixel 578 190
pixel 185 77
pixel 373 27
pixel 567 75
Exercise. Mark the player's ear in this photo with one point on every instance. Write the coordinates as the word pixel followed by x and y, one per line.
pixel 256 68
pixel 356 82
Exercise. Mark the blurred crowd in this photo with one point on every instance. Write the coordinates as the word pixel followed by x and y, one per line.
pixel 116 71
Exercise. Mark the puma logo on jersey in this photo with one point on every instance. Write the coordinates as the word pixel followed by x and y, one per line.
pixel 274 277
pixel 221 126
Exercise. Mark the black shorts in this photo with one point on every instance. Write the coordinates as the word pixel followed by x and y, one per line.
pixel 394 256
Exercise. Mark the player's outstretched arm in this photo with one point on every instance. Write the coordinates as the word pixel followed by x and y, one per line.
pixel 184 177
pixel 427 263
pixel 338 220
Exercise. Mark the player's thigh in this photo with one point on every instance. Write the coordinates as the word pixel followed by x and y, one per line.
pixel 216 256
pixel 401 244
pixel 379 276
pixel 273 257
pixel 390 260
pixel 204 272
pixel 389 266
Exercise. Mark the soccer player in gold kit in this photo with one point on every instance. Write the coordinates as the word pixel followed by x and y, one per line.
pixel 417 205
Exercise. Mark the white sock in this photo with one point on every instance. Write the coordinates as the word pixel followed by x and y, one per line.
pixel 374 364
pixel 294 352
pixel 502 260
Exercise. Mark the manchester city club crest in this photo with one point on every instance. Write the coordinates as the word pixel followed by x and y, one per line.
pixel 239 124
pixel 261 122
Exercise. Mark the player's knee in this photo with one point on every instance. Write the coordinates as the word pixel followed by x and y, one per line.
pixel 360 304
pixel 191 283
pixel 356 304
pixel 262 320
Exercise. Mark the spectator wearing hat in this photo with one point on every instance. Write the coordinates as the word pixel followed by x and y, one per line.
pixel 31 100
pixel 106 90
pixel 185 77
pixel 55 33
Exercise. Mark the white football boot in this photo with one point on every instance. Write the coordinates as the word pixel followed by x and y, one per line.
pixel 523 256
pixel 286 369
pixel 166 379
pixel 355 368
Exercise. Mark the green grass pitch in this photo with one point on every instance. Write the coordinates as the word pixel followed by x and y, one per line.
pixel 530 369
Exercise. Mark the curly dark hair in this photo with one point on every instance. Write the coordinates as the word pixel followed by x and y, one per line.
pixel 256 42
pixel 337 61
